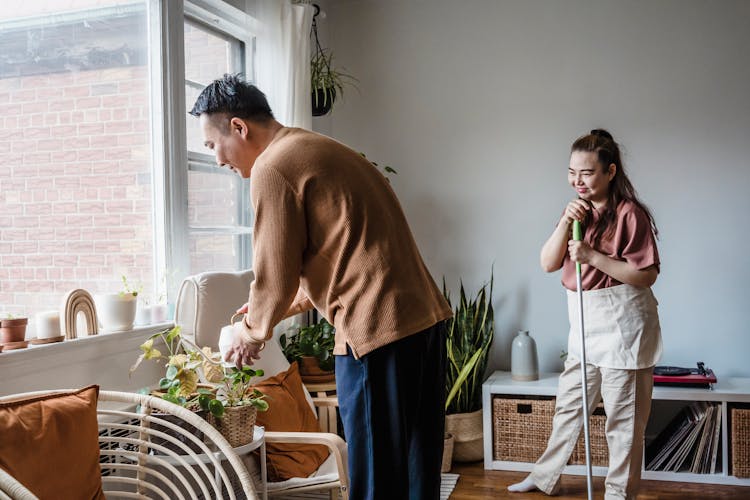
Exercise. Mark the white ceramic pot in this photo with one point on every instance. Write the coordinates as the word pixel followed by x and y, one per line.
pixel 116 312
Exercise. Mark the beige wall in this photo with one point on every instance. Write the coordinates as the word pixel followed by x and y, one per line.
pixel 476 103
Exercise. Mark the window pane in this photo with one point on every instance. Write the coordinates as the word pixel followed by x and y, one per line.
pixel 208 55
pixel 75 152
pixel 216 201
pixel 214 252
pixel 212 199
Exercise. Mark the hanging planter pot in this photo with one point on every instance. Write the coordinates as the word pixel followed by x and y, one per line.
pixel 325 80
pixel 322 101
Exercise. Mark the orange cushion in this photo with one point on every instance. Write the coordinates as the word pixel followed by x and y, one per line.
pixel 288 410
pixel 50 444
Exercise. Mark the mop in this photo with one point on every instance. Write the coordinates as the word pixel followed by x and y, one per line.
pixel 577 236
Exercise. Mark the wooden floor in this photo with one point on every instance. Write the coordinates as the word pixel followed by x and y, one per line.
pixel 476 483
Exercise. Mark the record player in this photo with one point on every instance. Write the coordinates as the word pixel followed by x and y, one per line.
pixel 676 376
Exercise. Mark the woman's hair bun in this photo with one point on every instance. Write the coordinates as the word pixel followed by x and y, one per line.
pixel 600 132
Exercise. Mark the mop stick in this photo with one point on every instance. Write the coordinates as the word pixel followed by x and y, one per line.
pixel 577 236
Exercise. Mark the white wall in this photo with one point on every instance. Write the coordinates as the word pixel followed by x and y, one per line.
pixel 475 103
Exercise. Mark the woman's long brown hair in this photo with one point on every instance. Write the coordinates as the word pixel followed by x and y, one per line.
pixel 600 141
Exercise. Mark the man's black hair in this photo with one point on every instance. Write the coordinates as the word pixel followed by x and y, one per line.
pixel 231 94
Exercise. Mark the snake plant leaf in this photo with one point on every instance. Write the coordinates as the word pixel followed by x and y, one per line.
pixel 465 371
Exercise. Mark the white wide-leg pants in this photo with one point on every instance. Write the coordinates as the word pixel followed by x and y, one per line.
pixel 626 395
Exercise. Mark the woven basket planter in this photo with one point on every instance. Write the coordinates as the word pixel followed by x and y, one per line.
pixel 740 442
pixel 447 453
pixel 466 429
pixel 237 424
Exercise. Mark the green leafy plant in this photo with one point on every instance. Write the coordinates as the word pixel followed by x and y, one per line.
pixel 387 169
pixel 128 288
pixel 315 340
pixel 326 82
pixel 187 366
pixel 470 334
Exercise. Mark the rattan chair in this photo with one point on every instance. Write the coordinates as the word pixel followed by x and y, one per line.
pixel 151 448
pixel 206 303
pixel 10 489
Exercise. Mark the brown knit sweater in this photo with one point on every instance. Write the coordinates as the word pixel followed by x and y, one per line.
pixel 330 233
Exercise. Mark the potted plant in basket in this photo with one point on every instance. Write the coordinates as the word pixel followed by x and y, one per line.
pixel 312 347
pixel 197 380
pixel 470 334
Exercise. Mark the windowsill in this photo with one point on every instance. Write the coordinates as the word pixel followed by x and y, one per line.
pixel 102 359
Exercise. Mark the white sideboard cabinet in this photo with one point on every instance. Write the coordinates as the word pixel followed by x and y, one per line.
pixel 666 403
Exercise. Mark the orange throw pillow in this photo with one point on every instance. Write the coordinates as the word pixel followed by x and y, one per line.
pixel 50 444
pixel 288 410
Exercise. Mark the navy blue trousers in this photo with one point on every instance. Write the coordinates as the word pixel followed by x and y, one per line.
pixel 392 404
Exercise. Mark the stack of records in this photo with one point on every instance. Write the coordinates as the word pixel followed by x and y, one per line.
pixel 690 443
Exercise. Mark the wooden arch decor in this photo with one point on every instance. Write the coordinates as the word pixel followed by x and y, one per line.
pixel 76 301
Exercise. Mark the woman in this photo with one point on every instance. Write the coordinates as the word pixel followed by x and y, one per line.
pixel 619 262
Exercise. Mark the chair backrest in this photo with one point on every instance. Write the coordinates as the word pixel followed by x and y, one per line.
pixel 205 305
pixel 207 301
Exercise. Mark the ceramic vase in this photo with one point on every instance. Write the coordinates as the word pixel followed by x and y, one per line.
pixel 524 365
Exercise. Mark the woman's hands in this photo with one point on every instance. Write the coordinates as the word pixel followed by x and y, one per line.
pixel 580 251
pixel 576 210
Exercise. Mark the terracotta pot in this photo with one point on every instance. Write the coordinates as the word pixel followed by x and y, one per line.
pixel 13 330
pixel 310 372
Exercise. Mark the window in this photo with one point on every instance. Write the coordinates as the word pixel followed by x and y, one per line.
pixel 219 214
pixel 76 176
pixel 102 171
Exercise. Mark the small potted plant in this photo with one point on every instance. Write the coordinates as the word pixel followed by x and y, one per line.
pixel 326 82
pixel 234 408
pixel 197 380
pixel 12 329
pixel 116 311
pixel 312 347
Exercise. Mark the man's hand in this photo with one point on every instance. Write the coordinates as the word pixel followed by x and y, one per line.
pixel 243 350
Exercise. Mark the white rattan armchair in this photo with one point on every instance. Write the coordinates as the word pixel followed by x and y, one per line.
pixel 151 448
pixel 205 304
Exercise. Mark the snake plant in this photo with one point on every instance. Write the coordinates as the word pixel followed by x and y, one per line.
pixel 468 342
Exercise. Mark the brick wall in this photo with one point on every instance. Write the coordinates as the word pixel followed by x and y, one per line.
pixel 75 185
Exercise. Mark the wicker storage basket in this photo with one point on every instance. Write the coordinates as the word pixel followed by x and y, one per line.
pixel 237 425
pixel 521 428
pixel 740 442
pixel 599 449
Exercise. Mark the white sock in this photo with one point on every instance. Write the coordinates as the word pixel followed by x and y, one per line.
pixel 524 486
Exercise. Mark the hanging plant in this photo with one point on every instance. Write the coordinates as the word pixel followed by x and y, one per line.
pixel 325 81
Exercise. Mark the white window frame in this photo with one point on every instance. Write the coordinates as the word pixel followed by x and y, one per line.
pixel 170 154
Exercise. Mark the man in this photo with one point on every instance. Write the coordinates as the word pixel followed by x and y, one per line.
pixel 329 233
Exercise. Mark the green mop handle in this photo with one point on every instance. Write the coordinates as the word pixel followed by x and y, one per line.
pixel 577 236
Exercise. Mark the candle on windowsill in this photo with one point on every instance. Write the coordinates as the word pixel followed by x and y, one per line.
pixel 48 325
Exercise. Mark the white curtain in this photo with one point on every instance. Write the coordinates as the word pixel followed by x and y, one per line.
pixel 283 59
